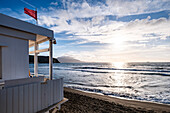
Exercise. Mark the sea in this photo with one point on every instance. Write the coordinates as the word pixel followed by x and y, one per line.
pixel 146 81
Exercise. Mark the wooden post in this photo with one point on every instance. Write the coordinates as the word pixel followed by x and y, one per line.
pixel 35 59
pixel 50 59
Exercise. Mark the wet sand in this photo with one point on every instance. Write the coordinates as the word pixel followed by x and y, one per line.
pixel 82 102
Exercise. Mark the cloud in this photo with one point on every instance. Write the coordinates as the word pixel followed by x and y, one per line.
pixel 158 54
pixel 54 3
pixel 83 28
pixel 109 31
pixel 126 41
pixel 47 20
pixel 85 9
pixel 118 8
pixel 84 23
pixel 132 7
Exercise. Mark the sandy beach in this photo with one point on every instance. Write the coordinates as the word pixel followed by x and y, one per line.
pixel 82 102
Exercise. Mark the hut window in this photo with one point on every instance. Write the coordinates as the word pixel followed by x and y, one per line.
pixel 0 62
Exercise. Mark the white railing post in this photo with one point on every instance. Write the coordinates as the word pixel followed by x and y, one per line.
pixel 35 59
pixel 50 59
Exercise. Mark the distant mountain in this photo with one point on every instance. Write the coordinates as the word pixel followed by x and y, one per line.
pixel 42 59
pixel 67 59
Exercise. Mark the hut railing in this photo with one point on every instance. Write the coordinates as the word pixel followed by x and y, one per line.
pixel 32 97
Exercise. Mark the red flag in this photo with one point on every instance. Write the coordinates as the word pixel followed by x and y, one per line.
pixel 31 13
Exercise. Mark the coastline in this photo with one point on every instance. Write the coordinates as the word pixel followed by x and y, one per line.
pixel 80 101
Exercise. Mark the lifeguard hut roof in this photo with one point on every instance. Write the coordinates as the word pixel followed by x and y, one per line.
pixel 42 34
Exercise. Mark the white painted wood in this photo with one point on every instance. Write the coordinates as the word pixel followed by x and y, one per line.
pixel 35 97
pixel 55 91
pixel 55 106
pixel 46 95
pixel 26 98
pixel 15 101
pixel 23 96
pixel 59 90
pixel 15 58
pixel 30 96
pixel 16 82
pixel 36 59
pixel 39 51
pixel 39 97
pixel 9 107
pixel 50 59
pixel 52 89
pixel 61 95
pixel 39 39
pixel 21 99
pixel 42 96
pixel 49 92
pixel 53 97
pixel 16 33
pixel 3 45
pixel 58 105
pixel 3 101
pixel 24 26
pixel 44 39
pixel 62 89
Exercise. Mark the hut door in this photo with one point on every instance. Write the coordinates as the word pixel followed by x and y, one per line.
pixel 0 62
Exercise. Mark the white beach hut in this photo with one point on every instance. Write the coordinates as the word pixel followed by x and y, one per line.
pixel 18 92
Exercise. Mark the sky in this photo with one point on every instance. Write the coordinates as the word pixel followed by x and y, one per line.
pixel 102 30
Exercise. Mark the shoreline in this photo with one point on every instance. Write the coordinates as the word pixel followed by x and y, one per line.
pixel 123 98
pixel 80 101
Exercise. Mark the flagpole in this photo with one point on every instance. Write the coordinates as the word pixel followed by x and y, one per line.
pixel 37 16
pixel 31 6
pixel 27 3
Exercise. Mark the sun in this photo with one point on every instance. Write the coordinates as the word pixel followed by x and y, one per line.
pixel 117 43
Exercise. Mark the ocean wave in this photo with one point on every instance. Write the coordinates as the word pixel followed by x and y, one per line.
pixel 122 95
pixel 142 81
pixel 121 69
pixel 131 96
pixel 98 68
pixel 81 70
pixel 126 71
pixel 150 73
pixel 92 85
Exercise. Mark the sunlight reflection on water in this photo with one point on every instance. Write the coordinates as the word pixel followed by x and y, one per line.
pixel 142 81
pixel 118 65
